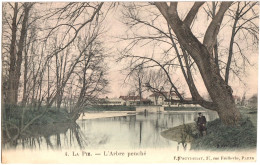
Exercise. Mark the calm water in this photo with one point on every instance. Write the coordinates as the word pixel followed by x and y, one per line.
pixel 125 132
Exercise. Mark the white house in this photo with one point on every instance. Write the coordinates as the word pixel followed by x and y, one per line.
pixel 135 100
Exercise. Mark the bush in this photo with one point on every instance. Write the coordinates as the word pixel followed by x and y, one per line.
pixel 53 115
pixel 220 136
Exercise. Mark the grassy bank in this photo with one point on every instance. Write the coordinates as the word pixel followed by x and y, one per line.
pixel 224 137
pixel 219 136
pixel 110 108
pixel 181 133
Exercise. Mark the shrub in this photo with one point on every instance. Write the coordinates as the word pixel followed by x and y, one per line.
pixel 27 113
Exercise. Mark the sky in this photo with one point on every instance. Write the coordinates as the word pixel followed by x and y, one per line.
pixel 117 28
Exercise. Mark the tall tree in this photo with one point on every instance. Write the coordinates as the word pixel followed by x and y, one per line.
pixel 16 51
pixel 137 79
pixel 191 54
pixel 202 53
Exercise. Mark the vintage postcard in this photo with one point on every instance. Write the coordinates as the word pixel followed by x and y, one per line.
pixel 129 82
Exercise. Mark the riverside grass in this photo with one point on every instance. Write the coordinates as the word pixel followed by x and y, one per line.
pixel 219 136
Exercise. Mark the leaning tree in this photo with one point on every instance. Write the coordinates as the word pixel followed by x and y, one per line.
pixel 202 53
pixel 193 52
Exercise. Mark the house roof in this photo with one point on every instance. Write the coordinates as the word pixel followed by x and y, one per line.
pixel 129 97
pixel 158 94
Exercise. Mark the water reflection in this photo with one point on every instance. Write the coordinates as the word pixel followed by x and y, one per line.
pixel 125 132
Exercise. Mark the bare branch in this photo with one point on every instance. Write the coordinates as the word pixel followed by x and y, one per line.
pixel 213 29
pixel 192 13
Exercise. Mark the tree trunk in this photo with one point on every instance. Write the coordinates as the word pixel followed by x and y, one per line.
pixel 16 58
pixel 59 99
pixel 24 100
pixel 230 51
pixel 140 89
pixel 20 48
pixel 229 115
pixel 48 84
pixel 219 91
pixel 11 86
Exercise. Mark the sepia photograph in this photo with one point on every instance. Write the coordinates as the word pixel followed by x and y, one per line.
pixel 129 82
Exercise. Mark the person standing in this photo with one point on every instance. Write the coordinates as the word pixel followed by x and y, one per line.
pixel 201 123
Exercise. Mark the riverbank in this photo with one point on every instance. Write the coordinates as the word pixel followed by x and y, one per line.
pixel 104 114
pixel 219 136
pixel 179 133
pixel 99 108
pixel 186 108
pixel 120 108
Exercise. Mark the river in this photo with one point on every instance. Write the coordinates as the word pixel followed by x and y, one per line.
pixel 130 131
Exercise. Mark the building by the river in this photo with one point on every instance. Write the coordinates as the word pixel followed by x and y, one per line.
pixel 164 98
